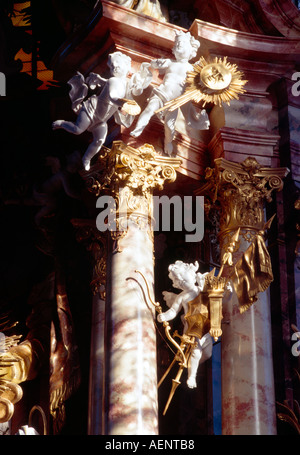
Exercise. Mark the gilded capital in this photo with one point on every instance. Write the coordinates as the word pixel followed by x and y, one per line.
pixel 239 191
pixel 130 175
pixel 140 169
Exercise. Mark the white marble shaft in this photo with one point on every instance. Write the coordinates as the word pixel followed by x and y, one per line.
pixel 248 398
pixel 132 400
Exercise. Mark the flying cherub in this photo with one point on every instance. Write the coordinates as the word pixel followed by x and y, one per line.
pixel 95 111
pixel 173 85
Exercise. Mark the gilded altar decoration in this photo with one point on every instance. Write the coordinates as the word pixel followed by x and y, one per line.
pixel 252 273
pixel 10 394
pixel 211 81
pixel 10 391
pixel 129 176
pixel 238 191
pixel 140 169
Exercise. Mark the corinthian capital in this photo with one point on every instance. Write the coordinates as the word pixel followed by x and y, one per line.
pixel 141 170
pixel 240 190
pixel 129 176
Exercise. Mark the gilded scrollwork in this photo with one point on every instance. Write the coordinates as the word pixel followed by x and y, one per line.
pixel 239 190
pixel 10 391
pixel 140 169
pixel 18 362
pixel 130 175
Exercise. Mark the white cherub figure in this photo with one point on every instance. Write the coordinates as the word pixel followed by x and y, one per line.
pixel 94 112
pixel 184 277
pixel 175 72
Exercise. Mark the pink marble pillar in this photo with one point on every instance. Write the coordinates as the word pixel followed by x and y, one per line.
pixel 248 398
pixel 239 191
pixel 123 353
pixel 133 407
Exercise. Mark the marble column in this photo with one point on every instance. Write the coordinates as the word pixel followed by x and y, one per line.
pixel 248 399
pixel 129 176
pixel 132 372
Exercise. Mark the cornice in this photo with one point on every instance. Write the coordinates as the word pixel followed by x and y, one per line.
pixel 253 46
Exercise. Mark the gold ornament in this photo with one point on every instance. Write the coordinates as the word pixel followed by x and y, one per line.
pixel 131 107
pixel 216 81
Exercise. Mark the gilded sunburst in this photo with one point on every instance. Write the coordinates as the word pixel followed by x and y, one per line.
pixel 212 81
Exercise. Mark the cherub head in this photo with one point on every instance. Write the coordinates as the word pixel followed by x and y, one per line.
pixel 183 275
pixel 119 64
pixel 185 45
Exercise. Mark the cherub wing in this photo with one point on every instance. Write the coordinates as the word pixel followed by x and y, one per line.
pixel 78 92
pixel 200 278
pixel 169 298
pixel 95 80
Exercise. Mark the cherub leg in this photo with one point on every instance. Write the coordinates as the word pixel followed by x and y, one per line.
pixel 99 136
pixel 200 354
pixel 78 127
pixel 193 367
pixel 145 116
pixel 170 121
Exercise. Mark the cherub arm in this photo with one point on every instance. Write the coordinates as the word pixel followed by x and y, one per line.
pixel 161 63
pixel 175 307
pixel 169 298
